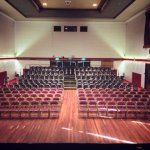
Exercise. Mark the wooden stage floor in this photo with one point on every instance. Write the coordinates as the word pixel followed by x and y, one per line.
pixel 71 129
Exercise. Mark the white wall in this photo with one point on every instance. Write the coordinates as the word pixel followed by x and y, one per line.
pixel 134 48
pixel 7 36
pixel 128 67
pixel 11 66
pixel 135 38
pixel 7 45
pixel 37 39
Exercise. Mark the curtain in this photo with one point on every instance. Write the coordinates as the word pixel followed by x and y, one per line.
pixel 147 31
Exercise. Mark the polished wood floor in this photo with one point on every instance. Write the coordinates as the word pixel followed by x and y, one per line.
pixel 71 129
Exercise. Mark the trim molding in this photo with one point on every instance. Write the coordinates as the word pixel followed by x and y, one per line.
pixel 67 58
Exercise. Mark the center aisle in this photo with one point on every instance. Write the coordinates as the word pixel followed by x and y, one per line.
pixel 73 129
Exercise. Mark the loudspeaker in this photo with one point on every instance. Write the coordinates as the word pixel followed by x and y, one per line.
pixel 83 28
pixel 57 28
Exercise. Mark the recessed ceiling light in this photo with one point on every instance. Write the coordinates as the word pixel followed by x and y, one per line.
pixel 94 5
pixel 44 4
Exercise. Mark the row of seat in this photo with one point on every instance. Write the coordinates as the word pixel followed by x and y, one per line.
pixel 29 101
pixel 31 90
pixel 38 84
pixel 114 109
pixel 101 101
pixel 17 109
pixel 112 91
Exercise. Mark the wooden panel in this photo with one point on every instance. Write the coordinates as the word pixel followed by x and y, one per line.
pixel 71 129
pixel 108 64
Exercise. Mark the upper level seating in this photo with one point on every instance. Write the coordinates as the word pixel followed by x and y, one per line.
pixel 98 77
pixel 41 77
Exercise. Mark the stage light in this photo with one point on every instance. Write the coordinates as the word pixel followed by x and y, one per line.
pixel 83 59
pixel 56 58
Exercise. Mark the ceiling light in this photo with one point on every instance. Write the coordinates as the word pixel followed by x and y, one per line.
pixel 94 5
pixel 44 4
pixel 67 2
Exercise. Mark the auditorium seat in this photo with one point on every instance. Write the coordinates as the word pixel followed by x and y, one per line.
pixel 121 109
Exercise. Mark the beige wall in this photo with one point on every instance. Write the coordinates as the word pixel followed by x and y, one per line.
pixel 7 36
pixel 135 38
pixel 37 39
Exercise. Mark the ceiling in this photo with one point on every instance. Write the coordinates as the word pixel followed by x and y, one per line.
pixel 68 4
pixel 110 10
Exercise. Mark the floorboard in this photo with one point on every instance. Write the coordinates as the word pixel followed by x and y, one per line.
pixel 68 128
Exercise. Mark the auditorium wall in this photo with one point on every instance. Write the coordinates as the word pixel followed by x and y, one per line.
pixel 11 66
pixel 7 45
pixel 134 48
pixel 37 39
pixel 128 67
pixel 135 38
pixel 7 36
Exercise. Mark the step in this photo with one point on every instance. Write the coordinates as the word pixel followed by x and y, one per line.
pixel 68 81
pixel 71 85
pixel 70 88
pixel 69 78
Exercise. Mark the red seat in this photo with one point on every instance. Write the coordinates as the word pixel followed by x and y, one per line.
pixel 121 109
pixel 29 99
pixel 33 95
pixel 105 95
pixel 131 109
pixel 14 107
pixel 10 99
pixel 55 108
pixel 129 95
pixel 7 95
pixel 92 108
pixel 112 108
pixel 143 99
pixel 116 99
pixel 17 95
pixel 102 107
pixel 5 108
pixel 24 107
pixel 20 99
pixel 34 108
pixel 45 107
pixel 83 108
pixel 126 99
pixel 141 109
pixel 107 99
pixel 47 99
pixel 113 95
pixel 134 99
pixel 99 99
pixel 25 95
pixel 121 95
